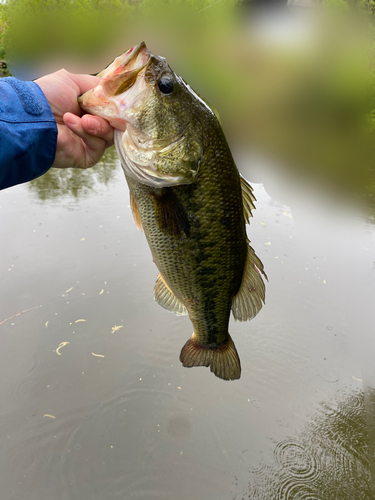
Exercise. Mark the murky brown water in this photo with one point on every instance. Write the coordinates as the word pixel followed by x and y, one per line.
pixel 94 401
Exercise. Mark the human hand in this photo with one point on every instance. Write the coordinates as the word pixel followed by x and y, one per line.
pixel 81 140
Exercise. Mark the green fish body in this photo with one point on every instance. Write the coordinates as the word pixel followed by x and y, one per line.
pixel 188 198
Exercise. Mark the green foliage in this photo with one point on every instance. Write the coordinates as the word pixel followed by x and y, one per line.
pixel 341 5
pixel 89 33
pixel 313 108
pixel 3 26
pixel 51 28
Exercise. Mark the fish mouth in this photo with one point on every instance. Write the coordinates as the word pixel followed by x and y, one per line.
pixel 117 78
pixel 137 54
pixel 130 65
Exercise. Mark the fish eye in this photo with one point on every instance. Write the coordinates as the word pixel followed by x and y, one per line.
pixel 165 85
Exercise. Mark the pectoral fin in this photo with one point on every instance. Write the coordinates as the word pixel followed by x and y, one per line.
pixel 247 199
pixel 251 295
pixel 135 212
pixel 165 297
pixel 170 214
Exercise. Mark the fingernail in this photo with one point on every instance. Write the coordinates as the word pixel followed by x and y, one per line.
pixel 92 124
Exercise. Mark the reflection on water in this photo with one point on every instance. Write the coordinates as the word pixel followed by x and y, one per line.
pixel 61 182
pixel 327 461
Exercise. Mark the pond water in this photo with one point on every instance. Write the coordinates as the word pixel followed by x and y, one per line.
pixel 94 401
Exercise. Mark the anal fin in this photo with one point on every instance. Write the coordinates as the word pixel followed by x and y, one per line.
pixel 223 361
pixel 166 298
pixel 251 295
pixel 135 212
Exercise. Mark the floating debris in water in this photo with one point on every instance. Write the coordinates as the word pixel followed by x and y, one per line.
pixel 115 328
pixel 62 344
pixel 19 314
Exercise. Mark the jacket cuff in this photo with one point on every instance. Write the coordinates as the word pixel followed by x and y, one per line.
pixel 28 132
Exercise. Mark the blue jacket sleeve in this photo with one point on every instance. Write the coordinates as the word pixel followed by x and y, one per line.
pixel 28 132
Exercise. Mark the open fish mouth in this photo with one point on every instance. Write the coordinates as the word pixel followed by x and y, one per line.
pixel 134 57
pixel 122 73
pixel 117 78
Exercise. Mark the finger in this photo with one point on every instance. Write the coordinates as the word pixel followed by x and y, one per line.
pixel 91 148
pixel 99 127
pixel 85 82
pixel 93 132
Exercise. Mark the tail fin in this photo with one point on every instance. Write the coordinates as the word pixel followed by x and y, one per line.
pixel 223 361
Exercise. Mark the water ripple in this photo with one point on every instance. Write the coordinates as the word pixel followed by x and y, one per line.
pixel 23 460
pixel 289 489
pixel 328 460
pixel 300 462
pixel 23 386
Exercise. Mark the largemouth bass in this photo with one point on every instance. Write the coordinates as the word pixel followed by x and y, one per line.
pixel 189 199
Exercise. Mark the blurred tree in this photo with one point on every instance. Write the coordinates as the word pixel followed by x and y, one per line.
pixel 60 183
pixel 307 102
pixel 4 71
pixel 3 25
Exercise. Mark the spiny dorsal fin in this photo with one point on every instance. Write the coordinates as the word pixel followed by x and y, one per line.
pixel 251 295
pixel 247 199
pixel 223 361
pixel 165 297
pixel 135 212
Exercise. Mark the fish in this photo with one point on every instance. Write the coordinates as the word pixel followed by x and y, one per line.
pixel 188 197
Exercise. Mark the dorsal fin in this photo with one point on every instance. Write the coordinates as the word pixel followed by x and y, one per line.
pixel 166 298
pixel 135 212
pixel 247 199
pixel 251 295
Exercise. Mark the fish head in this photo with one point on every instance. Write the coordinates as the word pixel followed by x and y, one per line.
pixel 158 117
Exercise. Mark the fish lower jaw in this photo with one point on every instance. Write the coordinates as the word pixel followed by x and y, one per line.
pixel 104 108
pixel 117 123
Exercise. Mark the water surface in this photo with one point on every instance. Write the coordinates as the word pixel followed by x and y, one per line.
pixel 95 403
